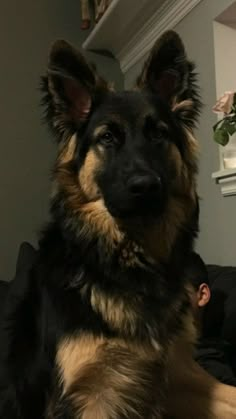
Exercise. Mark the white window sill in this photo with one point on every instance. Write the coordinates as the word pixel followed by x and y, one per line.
pixel 227 180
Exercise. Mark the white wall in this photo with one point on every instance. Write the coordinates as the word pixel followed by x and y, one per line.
pixel 217 239
pixel 225 60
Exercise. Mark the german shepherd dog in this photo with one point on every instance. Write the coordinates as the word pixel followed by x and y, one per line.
pixel 102 327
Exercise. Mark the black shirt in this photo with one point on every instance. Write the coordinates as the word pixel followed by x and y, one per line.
pixel 215 356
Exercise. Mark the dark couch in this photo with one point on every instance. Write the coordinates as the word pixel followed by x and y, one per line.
pixel 220 316
pixel 26 257
pixel 3 294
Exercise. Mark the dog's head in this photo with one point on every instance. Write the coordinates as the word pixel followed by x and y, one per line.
pixel 123 156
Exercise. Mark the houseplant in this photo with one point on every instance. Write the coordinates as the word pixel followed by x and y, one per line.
pixel 226 126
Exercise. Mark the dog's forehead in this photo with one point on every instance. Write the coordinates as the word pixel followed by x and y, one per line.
pixel 126 105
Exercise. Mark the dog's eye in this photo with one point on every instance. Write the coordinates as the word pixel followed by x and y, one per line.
pixel 160 135
pixel 106 138
pixel 157 132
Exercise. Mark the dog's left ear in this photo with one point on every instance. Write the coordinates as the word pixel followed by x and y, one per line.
pixel 168 74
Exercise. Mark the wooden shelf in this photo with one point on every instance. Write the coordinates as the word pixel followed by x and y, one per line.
pixel 129 28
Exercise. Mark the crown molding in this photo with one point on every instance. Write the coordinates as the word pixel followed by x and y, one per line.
pixel 129 28
pixel 166 17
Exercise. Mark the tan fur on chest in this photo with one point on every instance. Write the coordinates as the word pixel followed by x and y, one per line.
pixel 75 354
pixel 107 378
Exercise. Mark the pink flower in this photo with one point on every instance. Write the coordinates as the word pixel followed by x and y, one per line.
pixel 224 104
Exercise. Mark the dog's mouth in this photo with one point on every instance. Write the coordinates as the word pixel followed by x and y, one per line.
pixel 143 206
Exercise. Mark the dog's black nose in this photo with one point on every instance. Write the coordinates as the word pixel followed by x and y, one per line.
pixel 145 184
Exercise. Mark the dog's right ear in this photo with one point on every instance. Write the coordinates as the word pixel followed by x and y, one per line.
pixel 166 70
pixel 70 86
pixel 168 74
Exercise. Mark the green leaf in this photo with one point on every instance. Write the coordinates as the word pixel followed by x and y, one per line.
pixel 229 126
pixel 218 123
pixel 221 137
